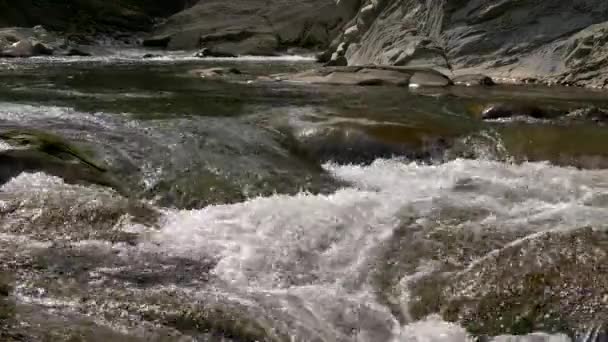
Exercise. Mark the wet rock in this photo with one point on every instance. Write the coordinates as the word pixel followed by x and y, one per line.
pixel 254 26
pixel 484 37
pixel 5 285
pixel 370 76
pixel 552 282
pixel 591 114
pixel 337 61
pixel 22 48
pixel 361 144
pixel 27 42
pixel 509 110
pixel 216 72
pixel 42 152
pixel 473 80
pixel 429 79
pixel 150 55
pixel 207 52
pixel 41 49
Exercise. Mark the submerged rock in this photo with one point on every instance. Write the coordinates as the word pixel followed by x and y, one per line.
pixel 27 42
pixel 509 110
pixel 22 48
pixel 362 144
pixel 38 151
pixel 254 27
pixel 511 38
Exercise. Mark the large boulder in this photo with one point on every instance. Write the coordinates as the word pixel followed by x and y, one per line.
pixel 256 27
pixel 552 41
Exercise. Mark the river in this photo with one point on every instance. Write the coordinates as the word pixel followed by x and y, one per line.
pixel 236 209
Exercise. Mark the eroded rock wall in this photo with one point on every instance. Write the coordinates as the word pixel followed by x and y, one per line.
pixel 554 41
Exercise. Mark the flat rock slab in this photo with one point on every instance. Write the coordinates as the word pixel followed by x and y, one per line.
pixel 370 76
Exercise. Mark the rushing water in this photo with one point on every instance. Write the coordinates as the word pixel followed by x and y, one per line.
pixel 238 209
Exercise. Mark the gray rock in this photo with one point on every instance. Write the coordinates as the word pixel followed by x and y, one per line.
pixel 41 49
pixel 22 48
pixel 251 26
pixel 369 76
pixel 337 61
pixel 27 42
pixel 429 79
pixel 508 110
pixel 552 41
pixel 591 114
pixel 473 80
pixel 206 52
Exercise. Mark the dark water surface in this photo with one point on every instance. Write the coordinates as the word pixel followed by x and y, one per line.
pixel 140 202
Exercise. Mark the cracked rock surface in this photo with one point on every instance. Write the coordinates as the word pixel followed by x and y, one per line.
pixel 549 41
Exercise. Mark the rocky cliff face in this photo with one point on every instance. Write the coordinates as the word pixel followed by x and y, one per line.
pixel 553 41
pixel 258 27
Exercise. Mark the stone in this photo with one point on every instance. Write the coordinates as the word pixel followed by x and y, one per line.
pixel 514 39
pixel 206 52
pixel 41 49
pixel 22 48
pixel 508 110
pixel 473 80
pixel 36 151
pixel 369 76
pixel 429 79
pixel 256 27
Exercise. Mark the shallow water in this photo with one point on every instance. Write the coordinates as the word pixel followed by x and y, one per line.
pixel 252 210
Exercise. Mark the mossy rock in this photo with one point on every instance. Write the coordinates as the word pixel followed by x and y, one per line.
pixel 50 144
pixel 36 151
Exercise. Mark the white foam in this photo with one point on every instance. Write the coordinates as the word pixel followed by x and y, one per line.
pixel 337 229
pixel 178 56
pixel 22 113
pixel 325 243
